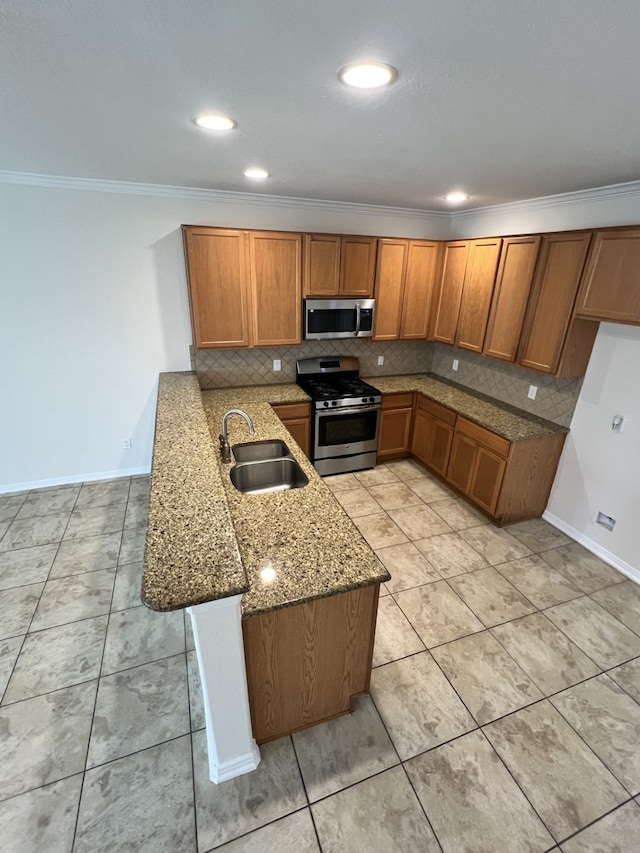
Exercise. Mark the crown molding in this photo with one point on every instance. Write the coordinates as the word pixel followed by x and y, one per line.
pixel 612 192
pixel 218 196
pixel 579 197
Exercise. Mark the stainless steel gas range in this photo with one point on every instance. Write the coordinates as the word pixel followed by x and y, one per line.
pixel 346 412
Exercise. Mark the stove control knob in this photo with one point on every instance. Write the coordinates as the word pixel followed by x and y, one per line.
pixel 334 402
pixel 371 399
pixel 364 399
pixel 325 404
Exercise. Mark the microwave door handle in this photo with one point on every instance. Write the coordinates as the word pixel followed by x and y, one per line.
pixel 357 331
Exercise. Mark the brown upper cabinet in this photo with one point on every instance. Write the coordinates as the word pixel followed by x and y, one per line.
pixel 510 296
pixel 479 278
pixel 337 265
pixel 405 272
pixel 610 288
pixel 244 286
pixel 448 292
pixel 553 340
pixel 462 298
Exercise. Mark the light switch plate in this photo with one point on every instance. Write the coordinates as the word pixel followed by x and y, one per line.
pixel 455 364
pixel 533 390
pixel 380 360
pixel 277 364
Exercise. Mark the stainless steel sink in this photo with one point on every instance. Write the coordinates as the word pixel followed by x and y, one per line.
pixel 268 475
pixel 258 451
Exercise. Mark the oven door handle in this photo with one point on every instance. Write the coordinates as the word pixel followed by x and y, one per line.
pixel 350 410
pixel 357 331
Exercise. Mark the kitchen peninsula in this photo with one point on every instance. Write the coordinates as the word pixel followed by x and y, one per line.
pixel 282 583
pixel 281 587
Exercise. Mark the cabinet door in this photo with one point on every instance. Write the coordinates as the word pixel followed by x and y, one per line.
pixel 419 278
pixel 296 417
pixel 431 441
pixel 479 278
pixel 275 263
pixel 421 435
pixel 440 446
pixel 357 265
pixel 462 461
pixel 446 305
pixel 216 273
pixel 610 287
pixel 321 275
pixel 299 429
pixel 390 272
pixel 395 432
pixel 486 479
pixel 552 299
pixel 513 283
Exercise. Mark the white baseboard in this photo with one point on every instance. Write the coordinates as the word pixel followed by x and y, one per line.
pixel 74 478
pixel 236 766
pixel 594 547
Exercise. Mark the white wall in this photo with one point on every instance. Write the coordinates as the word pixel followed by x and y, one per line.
pixel 93 305
pixel 599 471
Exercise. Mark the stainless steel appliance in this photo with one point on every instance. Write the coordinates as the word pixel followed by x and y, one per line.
pixel 346 412
pixel 338 318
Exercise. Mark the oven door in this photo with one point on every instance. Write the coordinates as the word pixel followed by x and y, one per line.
pixel 346 431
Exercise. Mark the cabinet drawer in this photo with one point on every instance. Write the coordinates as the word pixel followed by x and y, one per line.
pixel 291 410
pixel 436 410
pixel 483 436
pixel 397 401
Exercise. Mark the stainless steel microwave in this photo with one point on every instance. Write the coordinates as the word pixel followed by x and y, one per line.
pixel 338 318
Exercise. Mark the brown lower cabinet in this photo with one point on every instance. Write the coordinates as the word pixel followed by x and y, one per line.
pixel 394 434
pixel 432 434
pixel 306 663
pixel 508 480
pixel 477 463
pixel 296 417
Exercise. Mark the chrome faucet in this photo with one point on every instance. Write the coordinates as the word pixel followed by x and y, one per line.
pixel 225 450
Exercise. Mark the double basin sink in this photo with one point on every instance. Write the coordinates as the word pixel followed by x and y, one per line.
pixel 265 466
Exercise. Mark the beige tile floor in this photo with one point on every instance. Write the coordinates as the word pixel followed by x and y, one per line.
pixel 504 712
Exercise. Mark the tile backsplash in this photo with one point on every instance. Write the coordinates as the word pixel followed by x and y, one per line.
pixel 555 399
pixel 217 368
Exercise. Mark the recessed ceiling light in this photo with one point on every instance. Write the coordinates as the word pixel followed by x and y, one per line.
pixel 456 197
pixel 209 121
pixel 256 173
pixel 367 75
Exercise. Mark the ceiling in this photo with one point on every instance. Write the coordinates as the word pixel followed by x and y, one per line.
pixel 507 100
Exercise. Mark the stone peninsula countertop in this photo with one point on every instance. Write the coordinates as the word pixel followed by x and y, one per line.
pixel 208 541
pixel 506 421
pixel 191 553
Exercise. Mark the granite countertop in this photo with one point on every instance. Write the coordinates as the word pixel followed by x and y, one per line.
pixel 207 540
pixel 191 553
pixel 506 421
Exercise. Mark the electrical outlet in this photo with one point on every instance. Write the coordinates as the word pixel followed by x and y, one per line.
pixel 277 364
pixel 533 390
pixel 605 521
pixel 455 364
pixel 126 443
pixel 617 423
pixel 380 360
